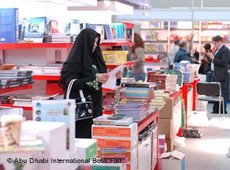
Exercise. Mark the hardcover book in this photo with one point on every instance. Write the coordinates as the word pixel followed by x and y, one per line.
pixel 57 111
pixel 9 27
pixel 35 27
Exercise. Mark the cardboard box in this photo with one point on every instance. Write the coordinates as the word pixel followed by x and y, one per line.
pixel 166 112
pixel 166 127
pixel 85 148
pixel 170 144
pixel 52 133
pixel 172 161
pixel 115 136
pixel 115 131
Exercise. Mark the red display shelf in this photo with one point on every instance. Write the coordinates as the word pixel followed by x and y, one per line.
pixel 144 123
pixel 10 89
pixel 6 46
pixel 185 88
pixel 46 77
pixel 116 43
pixel 24 45
pixel 11 105
pixel 176 95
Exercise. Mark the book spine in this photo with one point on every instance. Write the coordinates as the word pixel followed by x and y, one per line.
pixel 16 24
pixel 134 85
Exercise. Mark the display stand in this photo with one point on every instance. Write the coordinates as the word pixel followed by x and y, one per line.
pixel 11 89
pixel 189 96
pixel 152 152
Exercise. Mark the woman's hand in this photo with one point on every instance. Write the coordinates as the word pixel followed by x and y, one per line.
pixel 211 55
pixel 102 77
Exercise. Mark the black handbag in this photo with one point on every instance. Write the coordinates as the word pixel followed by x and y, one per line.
pixel 84 105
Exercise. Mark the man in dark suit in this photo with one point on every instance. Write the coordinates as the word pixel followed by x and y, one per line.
pixel 220 60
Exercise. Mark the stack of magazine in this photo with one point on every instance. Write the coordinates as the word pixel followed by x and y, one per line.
pixel 114 119
pixel 14 78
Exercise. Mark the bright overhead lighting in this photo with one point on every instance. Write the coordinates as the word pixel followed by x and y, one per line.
pixel 113 6
pixel 63 2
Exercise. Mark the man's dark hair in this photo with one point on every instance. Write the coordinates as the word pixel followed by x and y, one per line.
pixel 217 38
pixel 182 43
pixel 176 42
pixel 207 46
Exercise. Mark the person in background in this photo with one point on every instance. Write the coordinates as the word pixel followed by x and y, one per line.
pixel 86 64
pixel 205 65
pixel 172 52
pixel 182 54
pixel 219 65
pixel 138 56
pixel 195 55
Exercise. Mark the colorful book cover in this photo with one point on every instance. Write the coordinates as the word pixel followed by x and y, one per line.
pixel 35 27
pixel 57 111
pixel 9 27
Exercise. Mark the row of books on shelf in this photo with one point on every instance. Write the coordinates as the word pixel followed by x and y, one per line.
pixel 26 100
pixel 14 78
pixel 45 29
pixel 184 25
pixel 154 48
pixel 53 69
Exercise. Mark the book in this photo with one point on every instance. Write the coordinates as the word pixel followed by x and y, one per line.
pixel 9 27
pixel 135 84
pixel 57 111
pixel 35 27
pixel 8 110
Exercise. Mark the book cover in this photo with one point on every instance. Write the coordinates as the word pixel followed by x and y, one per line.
pixel 35 27
pixel 9 25
pixel 57 111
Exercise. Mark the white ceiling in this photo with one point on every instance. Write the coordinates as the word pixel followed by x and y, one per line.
pixel 189 3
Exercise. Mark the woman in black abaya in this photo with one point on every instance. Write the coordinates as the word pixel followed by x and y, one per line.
pixel 85 63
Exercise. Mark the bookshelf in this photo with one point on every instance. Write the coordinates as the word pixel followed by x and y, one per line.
pixel 11 89
pixel 24 45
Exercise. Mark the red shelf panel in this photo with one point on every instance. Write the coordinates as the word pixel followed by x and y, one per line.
pixel 46 77
pixel 10 89
pixel 176 95
pixel 11 105
pixel 147 120
pixel 116 43
pixel 6 46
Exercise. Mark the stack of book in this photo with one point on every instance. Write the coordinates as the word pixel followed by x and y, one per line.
pixel 159 98
pixel 138 111
pixel 25 100
pixel 188 76
pixel 115 119
pixel 136 91
pixel 51 69
pixel 163 81
pixel 14 78
pixel 135 98
pixel 171 82
pixel 58 38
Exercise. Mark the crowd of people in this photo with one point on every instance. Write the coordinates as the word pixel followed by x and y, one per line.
pixel 214 62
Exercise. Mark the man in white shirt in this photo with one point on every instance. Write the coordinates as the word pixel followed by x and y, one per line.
pixel 172 51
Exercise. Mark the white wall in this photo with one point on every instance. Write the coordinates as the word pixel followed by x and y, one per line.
pixel 57 11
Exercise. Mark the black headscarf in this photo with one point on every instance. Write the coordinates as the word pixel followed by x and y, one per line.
pixel 81 58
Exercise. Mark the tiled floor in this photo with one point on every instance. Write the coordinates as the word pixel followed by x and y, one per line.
pixel 211 151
